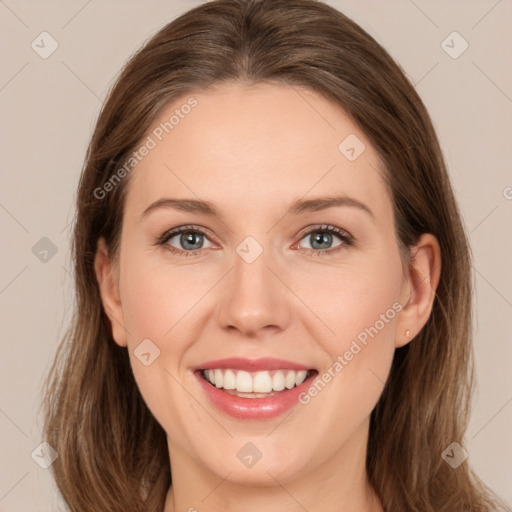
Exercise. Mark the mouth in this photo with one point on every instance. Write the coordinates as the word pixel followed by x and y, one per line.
pixel 259 384
pixel 254 389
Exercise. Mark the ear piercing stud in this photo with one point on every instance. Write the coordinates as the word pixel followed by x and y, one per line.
pixel 408 333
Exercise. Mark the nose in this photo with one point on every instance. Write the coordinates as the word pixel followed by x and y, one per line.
pixel 254 301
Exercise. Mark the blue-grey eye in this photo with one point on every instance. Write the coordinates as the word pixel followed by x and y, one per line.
pixel 321 240
pixel 189 240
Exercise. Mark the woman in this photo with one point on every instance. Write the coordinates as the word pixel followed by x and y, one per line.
pixel 273 281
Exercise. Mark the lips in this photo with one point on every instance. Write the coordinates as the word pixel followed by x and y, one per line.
pixel 256 389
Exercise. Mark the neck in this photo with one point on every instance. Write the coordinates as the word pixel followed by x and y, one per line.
pixel 339 484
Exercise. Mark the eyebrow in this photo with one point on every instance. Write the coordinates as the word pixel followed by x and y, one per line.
pixel 298 207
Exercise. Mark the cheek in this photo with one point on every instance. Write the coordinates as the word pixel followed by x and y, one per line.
pixel 155 306
pixel 358 308
pixel 152 305
pixel 158 297
pixel 352 301
pixel 161 302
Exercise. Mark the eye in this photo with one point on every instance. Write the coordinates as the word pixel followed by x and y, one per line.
pixel 190 240
pixel 326 238
pixel 185 240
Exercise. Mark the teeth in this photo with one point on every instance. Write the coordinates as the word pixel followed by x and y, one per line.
pixel 243 381
pixel 278 381
pixel 263 383
pixel 219 381
pixel 229 381
pixel 256 382
pixel 300 377
pixel 290 380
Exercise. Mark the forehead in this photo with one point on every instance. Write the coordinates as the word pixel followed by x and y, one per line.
pixel 260 146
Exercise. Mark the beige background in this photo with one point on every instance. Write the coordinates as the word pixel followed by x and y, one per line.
pixel 49 107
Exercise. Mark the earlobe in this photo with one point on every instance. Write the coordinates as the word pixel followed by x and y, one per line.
pixel 422 279
pixel 108 283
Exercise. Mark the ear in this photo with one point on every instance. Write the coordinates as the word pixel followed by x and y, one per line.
pixel 419 289
pixel 107 276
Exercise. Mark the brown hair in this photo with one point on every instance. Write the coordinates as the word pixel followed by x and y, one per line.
pixel 112 452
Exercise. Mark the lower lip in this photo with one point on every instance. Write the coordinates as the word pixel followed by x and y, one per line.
pixel 254 408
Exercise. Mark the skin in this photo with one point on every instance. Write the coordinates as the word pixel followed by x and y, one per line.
pixel 252 151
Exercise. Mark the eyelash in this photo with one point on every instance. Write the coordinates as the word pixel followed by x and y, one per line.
pixel 346 238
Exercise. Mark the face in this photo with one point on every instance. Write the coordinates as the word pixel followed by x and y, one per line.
pixel 258 243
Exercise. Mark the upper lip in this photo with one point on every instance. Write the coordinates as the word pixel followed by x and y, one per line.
pixel 262 364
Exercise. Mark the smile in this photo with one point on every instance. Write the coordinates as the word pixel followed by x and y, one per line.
pixel 251 385
pixel 254 389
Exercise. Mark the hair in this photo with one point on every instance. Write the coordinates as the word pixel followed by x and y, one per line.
pixel 112 453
